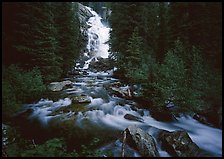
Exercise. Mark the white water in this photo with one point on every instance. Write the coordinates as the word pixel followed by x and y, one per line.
pixel 111 114
pixel 108 111
pixel 98 35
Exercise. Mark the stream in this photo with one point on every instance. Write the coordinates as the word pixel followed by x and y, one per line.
pixel 102 115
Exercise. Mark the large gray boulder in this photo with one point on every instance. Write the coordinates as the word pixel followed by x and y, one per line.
pixel 58 86
pixel 141 141
pixel 178 143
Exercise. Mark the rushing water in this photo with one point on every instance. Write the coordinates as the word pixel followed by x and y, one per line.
pixel 106 111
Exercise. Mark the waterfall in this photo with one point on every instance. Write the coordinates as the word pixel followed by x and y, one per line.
pixel 98 35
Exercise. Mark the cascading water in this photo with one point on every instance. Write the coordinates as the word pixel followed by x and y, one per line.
pixel 98 35
pixel 105 112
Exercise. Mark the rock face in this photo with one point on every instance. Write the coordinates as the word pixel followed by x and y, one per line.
pixel 132 117
pixel 83 13
pixel 142 141
pixel 178 143
pixel 58 86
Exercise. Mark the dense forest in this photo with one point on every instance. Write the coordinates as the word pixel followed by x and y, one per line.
pixel 172 50
pixel 40 45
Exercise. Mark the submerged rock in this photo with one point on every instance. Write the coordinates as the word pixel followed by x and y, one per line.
pixel 132 117
pixel 142 141
pixel 178 143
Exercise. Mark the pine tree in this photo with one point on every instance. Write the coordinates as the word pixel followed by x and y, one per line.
pixel 135 67
pixel 34 39
pixel 68 33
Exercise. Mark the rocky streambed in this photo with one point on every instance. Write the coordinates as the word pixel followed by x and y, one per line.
pixel 95 104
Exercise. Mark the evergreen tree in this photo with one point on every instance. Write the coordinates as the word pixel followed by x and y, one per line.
pixel 33 42
pixel 68 33
pixel 124 18
pixel 170 82
pixel 136 69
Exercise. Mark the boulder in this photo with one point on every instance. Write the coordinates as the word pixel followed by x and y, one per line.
pixel 122 92
pixel 55 86
pixel 162 115
pixel 58 86
pixel 66 83
pixel 178 143
pixel 201 119
pixel 141 141
pixel 132 117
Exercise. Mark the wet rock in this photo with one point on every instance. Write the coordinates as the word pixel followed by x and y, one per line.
pixel 212 117
pixel 100 77
pixel 141 141
pixel 80 99
pixel 116 84
pixel 85 73
pixel 132 117
pixel 58 86
pixel 122 92
pixel 201 119
pixel 178 143
pixel 24 114
pixel 162 115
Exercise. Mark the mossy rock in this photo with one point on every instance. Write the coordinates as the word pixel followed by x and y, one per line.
pixel 76 107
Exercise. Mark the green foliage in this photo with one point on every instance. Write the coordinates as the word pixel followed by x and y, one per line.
pixel 213 92
pixel 68 33
pixel 184 86
pixel 51 148
pixel 9 103
pixel 47 35
pixel 55 147
pixel 144 33
pixel 170 81
pixel 20 86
